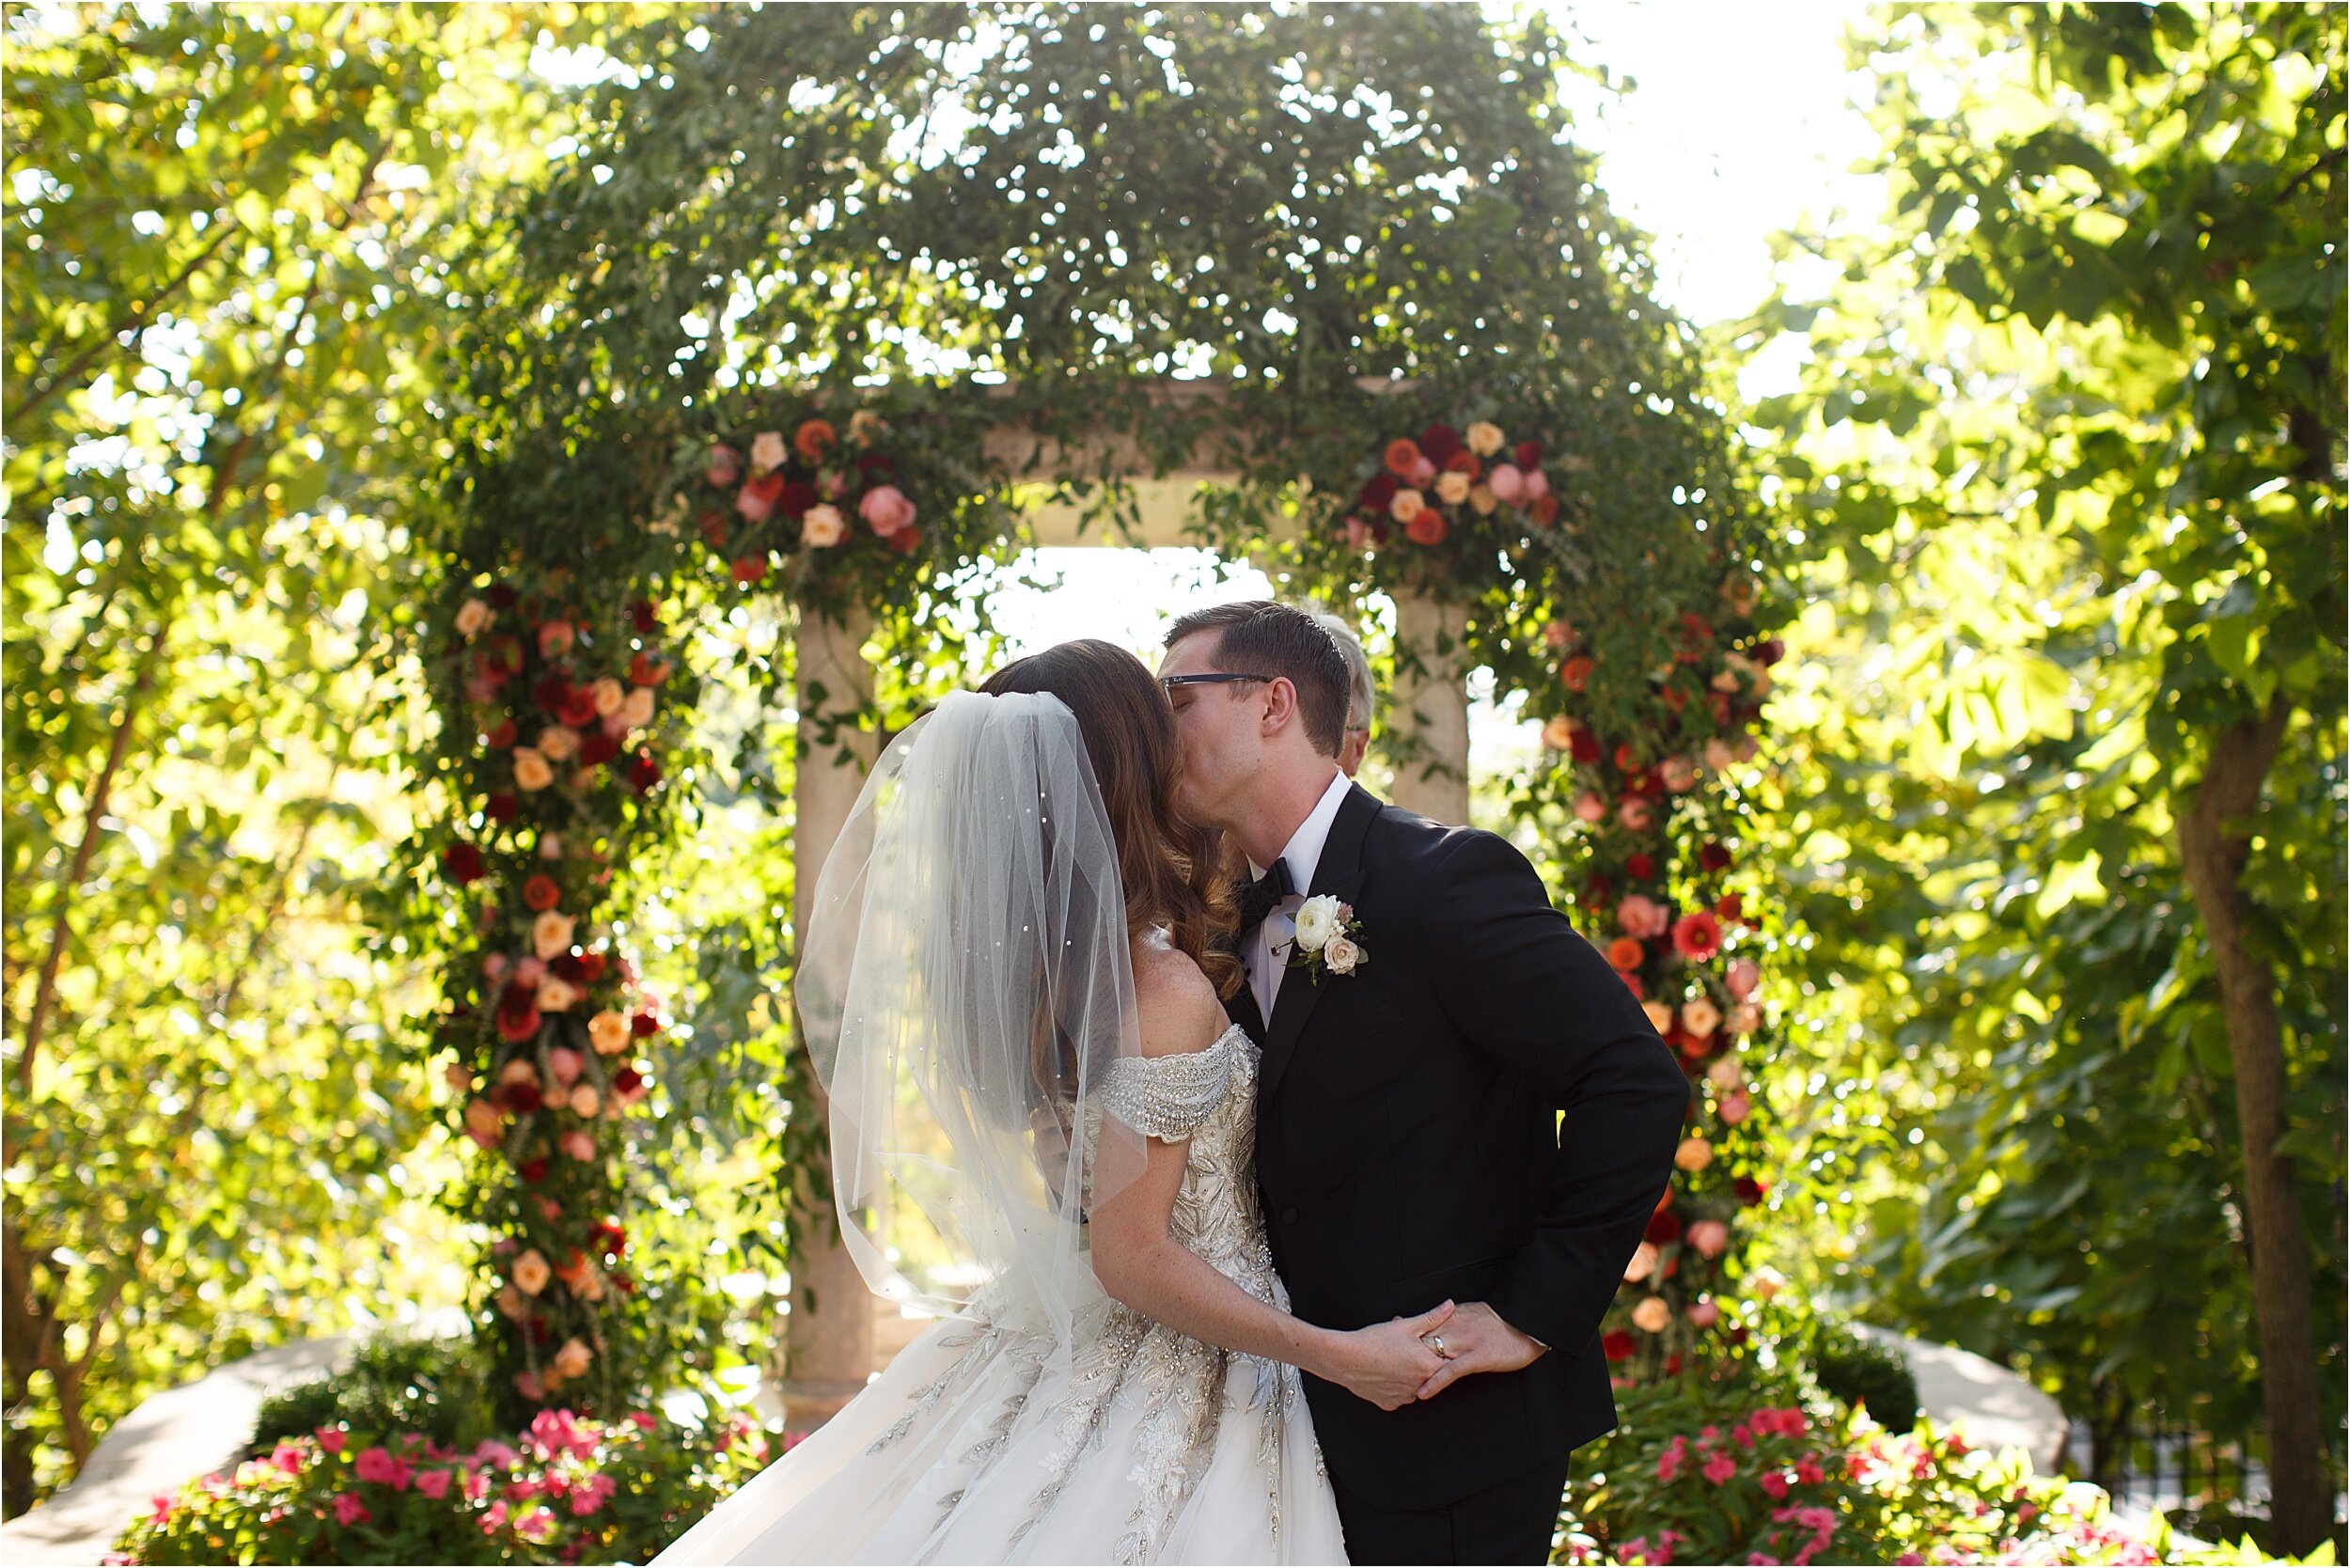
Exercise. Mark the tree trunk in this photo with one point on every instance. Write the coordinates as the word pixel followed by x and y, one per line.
pixel 2212 849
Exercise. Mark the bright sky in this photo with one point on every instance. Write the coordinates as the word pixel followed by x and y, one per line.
pixel 1740 125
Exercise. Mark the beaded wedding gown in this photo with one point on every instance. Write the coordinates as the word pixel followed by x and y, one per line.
pixel 982 1444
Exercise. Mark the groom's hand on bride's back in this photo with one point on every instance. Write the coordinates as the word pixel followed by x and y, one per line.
pixel 1479 1342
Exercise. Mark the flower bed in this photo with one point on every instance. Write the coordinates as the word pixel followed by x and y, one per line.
pixel 1699 1473
pixel 568 1491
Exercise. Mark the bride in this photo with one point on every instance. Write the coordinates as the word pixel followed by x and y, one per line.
pixel 1013 1002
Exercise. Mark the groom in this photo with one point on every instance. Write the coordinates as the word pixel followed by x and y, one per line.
pixel 1409 1141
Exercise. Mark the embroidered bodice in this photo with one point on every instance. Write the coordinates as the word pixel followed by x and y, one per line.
pixel 1210 1097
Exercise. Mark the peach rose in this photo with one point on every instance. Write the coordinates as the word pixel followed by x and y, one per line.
pixel 1483 437
pixel 483 1122
pixel 1745 1018
pixel 1766 1283
pixel 521 1069
pixel 510 1302
pixel 767 450
pixel 1700 1016
pixel 1558 733
pixel 1536 484
pixel 557 995
pixel 1406 504
pixel 1651 1315
pixel 1695 1153
pixel 1660 1017
pixel 1726 1073
pixel 586 1101
pixel 865 424
pixel 823 526
pixel 608 1031
pixel 531 1273
pixel 1452 487
pixel 609 694
pixel 555 636
pixel 573 1358
pixel 1557 634
pixel 473 619
pixel 1482 500
pixel 1643 1263
pixel 636 708
pixel 531 770
pixel 1679 773
pixel 1717 754
pixel 558 743
pixel 551 935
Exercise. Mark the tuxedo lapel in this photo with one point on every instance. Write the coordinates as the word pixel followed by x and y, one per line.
pixel 1339 873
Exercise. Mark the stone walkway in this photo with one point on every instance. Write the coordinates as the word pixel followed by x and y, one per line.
pixel 1992 1406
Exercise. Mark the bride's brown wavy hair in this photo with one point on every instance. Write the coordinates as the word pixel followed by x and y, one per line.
pixel 1174 870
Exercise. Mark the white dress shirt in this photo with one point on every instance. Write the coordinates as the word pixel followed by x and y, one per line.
pixel 1268 950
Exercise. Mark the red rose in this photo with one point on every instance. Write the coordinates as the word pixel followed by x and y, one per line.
pixel 579 708
pixel 1717 703
pixel 1439 441
pixel 1664 1227
pixel 1427 527
pixel 713 530
pixel 1769 651
pixel 1527 453
pixel 1730 906
pixel 1617 1345
pixel 1545 511
pixel 551 692
pixel 1642 866
pixel 1695 629
pixel 628 1080
pixel 597 748
pixel 1698 937
pixel 461 864
pixel 1712 856
pixel 868 462
pixel 641 614
pixel 1748 1189
pixel 532 1170
pixel 503 807
pixel 1672 1365
pixel 522 1099
pixel 906 541
pixel 541 892
pixel 503 654
pixel 756 499
pixel 501 736
pixel 1464 461
pixel 1583 747
pixel 1674 697
pixel 646 670
pixel 750 569
pixel 643 1023
pixel 1602 888
pixel 1577 673
pixel 643 771
pixel 499 595
pixel 798 495
pixel 568 966
pixel 518 1024
pixel 1627 760
pixel 591 966
pixel 1380 490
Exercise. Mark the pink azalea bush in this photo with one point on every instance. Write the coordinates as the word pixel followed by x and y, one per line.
pixel 1717 1473
pixel 567 1490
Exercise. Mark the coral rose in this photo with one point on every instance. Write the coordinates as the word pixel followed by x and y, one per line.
pixel 1660 1017
pixel 566 1065
pixel 541 892
pixel 609 694
pixel 813 438
pixel 531 770
pixel 1651 1315
pixel 1726 1073
pixel 608 1031
pixel 558 743
pixel 1705 1314
pixel 1577 673
pixel 1428 527
pixel 1402 457
pixel 1625 954
pixel 1635 814
pixel 585 1101
pixel 755 501
pixel 636 708
pixel 1695 1153
pixel 1735 1108
pixel 1641 916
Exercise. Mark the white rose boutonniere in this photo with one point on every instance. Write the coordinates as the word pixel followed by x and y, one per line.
pixel 1326 939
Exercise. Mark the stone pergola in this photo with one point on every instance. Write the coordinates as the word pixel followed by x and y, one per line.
pixel 830 1351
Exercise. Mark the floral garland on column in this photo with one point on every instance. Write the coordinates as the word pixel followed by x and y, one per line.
pixel 1642 722
pixel 547 1018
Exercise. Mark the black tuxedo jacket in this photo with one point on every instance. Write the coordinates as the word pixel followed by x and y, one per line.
pixel 1411 1145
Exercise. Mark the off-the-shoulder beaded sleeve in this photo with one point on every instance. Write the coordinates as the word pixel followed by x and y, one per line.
pixel 1168 1097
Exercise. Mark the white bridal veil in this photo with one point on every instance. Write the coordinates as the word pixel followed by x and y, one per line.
pixel 966 984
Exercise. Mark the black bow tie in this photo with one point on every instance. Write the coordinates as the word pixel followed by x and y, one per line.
pixel 1260 898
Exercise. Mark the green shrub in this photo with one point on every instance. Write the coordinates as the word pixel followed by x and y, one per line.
pixel 396 1383
pixel 1858 1371
pixel 568 1491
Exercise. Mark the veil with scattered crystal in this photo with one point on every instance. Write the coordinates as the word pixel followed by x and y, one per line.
pixel 964 985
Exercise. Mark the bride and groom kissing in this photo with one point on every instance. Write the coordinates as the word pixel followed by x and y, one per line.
pixel 1295 1196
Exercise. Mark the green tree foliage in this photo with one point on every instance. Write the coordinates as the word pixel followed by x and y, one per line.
pixel 230 233
pixel 2067 829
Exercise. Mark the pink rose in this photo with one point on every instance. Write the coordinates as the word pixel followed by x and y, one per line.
pixel 1741 978
pixel 579 1145
pixel 1643 916
pixel 1537 484
pixel 1590 807
pixel 1709 1237
pixel 1634 813
pixel 1705 1314
pixel 1422 470
pixel 348 1510
pixel 565 1064
pixel 433 1483
pixel 1719 1468
pixel 886 509
pixel 1734 1108
pixel 725 465
pixel 1508 482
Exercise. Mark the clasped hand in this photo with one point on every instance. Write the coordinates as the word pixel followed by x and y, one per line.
pixel 1391 1364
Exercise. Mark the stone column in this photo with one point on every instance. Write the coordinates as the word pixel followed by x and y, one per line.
pixel 1427 712
pixel 829 1347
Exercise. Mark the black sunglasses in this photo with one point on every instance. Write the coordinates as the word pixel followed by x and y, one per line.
pixel 1216 679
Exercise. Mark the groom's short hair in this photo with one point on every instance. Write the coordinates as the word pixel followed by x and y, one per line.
pixel 1257 636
